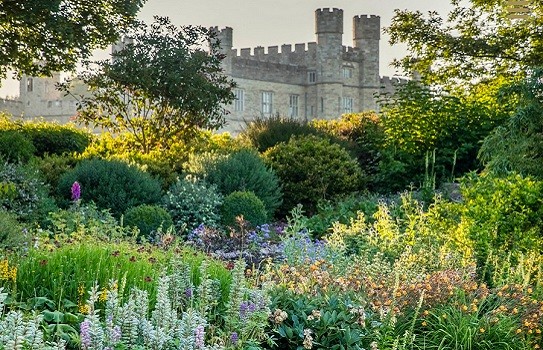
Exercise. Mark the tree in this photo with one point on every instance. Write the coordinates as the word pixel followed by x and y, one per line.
pixel 518 145
pixel 161 86
pixel 43 36
pixel 479 41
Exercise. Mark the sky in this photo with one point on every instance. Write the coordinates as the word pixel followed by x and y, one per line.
pixel 276 22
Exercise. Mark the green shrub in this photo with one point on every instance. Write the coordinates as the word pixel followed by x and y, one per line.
pixel 15 147
pixel 264 133
pixel 52 138
pixel 503 215
pixel 333 322
pixel 312 169
pixel 110 184
pixel 243 170
pixel 364 135
pixel 191 203
pixel 246 204
pixel 30 201
pixel 12 233
pixel 148 218
pixel 52 167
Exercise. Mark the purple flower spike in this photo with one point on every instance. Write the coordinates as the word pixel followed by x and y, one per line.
pixel 234 338
pixel 76 191
pixel 85 334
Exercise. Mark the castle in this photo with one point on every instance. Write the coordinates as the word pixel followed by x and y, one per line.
pixel 321 79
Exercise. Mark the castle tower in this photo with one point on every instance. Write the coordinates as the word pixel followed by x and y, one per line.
pixel 329 31
pixel 119 45
pixel 225 37
pixel 366 36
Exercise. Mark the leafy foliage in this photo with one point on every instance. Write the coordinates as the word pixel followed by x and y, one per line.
pixel 264 133
pixel 419 121
pixel 246 204
pixel 477 40
pixel 139 92
pixel 241 170
pixel 148 218
pixel 12 233
pixel 362 134
pixel 14 147
pixel 110 184
pixel 31 201
pixel 68 31
pixel 312 169
pixel 191 203
pixel 503 215
pixel 517 145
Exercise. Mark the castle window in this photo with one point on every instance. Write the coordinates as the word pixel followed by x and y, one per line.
pixel 293 106
pixel 347 72
pixel 239 102
pixel 347 105
pixel 49 104
pixel 322 104
pixel 267 102
pixel 312 76
pixel 29 84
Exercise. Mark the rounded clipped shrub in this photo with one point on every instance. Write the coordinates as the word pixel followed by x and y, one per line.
pixel 246 204
pixel 243 170
pixel 111 185
pixel 191 203
pixel 148 218
pixel 52 138
pixel 264 133
pixel 312 169
pixel 15 147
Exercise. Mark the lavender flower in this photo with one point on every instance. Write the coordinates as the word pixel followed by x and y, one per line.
pixel 85 333
pixel 116 334
pixel 76 191
pixel 234 338
pixel 199 333
pixel 188 293
pixel 246 308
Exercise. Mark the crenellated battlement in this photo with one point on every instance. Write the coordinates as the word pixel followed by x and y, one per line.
pixel 329 21
pixel 366 27
pixel 285 54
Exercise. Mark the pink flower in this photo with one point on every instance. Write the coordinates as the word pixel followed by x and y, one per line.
pixel 76 191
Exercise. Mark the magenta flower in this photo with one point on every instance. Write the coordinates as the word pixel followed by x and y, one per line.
pixel 76 191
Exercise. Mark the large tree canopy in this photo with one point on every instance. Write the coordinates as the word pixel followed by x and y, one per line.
pixel 477 41
pixel 162 85
pixel 42 36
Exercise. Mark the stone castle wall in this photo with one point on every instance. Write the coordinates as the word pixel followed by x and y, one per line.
pixel 322 76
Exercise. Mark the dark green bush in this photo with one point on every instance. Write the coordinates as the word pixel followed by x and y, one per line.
pixel 12 233
pixel 243 170
pixel 191 203
pixel 148 218
pixel 246 204
pixel 15 147
pixel 30 200
pixel 264 133
pixel 312 169
pixel 52 138
pixel 363 134
pixel 52 167
pixel 110 184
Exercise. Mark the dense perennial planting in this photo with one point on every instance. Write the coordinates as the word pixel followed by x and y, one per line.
pixel 207 263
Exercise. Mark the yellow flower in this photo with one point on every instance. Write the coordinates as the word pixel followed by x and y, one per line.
pixel 424 324
pixel 519 330
pixel 482 330
pixel 103 295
